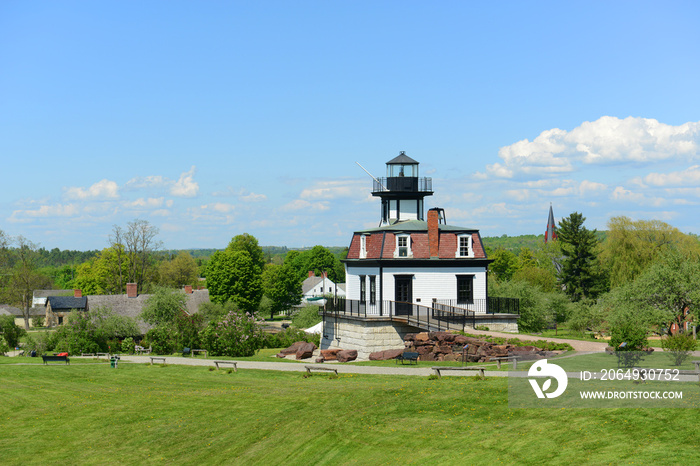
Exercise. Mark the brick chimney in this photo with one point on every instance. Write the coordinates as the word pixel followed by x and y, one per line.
pixel 77 293
pixel 311 273
pixel 188 289
pixel 132 290
pixel 325 274
pixel 434 232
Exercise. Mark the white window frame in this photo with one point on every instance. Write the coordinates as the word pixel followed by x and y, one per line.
pixel 470 250
pixel 363 246
pixel 397 251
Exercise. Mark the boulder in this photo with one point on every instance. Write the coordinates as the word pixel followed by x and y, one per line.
pixel 385 355
pixel 294 348
pixel 305 351
pixel 460 340
pixel 330 354
pixel 427 357
pixel 319 360
pixel 423 336
pixel 347 355
pixel 442 349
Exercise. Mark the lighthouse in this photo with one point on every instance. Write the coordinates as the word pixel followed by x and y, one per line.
pixel 402 191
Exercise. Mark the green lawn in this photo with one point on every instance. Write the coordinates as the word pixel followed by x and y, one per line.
pixel 172 414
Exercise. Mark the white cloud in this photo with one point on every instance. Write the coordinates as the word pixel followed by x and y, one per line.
pixel 185 186
pixel 46 211
pixel 301 204
pixel 601 142
pixel 622 194
pixel 591 187
pixel 334 189
pixel 220 207
pixel 687 177
pixel 104 189
pixel 150 203
pixel 148 182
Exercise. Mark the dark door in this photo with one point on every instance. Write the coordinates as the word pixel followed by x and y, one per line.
pixel 403 294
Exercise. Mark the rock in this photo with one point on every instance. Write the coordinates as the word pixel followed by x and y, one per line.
pixel 294 348
pixel 410 337
pixel 281 356
pixel 424 349
pixel 319 360
pixel 385 355
pixel 460 340
pixel 427 357
pixel 442 349
pixel 423 336
pixel 305 351
pixel 347 355
pixel 330 354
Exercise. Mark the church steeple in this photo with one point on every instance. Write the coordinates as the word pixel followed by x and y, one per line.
pixel 402 191
pixel 551 233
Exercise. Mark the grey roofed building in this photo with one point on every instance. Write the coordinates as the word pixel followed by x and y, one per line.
pixel 39 296
pixel 58 307
pixel 123 305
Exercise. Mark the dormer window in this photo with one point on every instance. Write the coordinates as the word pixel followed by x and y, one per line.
pixel 403 246
pixel 363 247
pixel 464 246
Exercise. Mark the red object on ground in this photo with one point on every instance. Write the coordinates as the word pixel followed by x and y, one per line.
pixel 62 354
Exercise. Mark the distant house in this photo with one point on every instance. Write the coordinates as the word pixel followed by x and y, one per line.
pixel 58 308
pixel 39 296
pixel 131 304
pixel 314 288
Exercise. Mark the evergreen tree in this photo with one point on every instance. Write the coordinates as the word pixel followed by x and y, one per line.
pixel 579 274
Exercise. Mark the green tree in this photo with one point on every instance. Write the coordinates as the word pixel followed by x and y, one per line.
pixel 162 308
pixel 24 276
pixel 504 264
pixel 249 244
pixel 579 274
pixel 10 332
pixel 232 275
pixel 182 270
pixel 282 286
pixel 632 246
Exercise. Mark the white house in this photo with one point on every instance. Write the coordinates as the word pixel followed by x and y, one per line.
pixel 314 289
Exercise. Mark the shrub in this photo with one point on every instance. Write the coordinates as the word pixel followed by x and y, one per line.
pixel 128 346
pixel 679 347
pixel 77 335
pixel 236 334
pixel 306 317
pixel 161 340
pixel 11 333
pixel 288 337
pixel 634 336
pixel 3 347
pixel 37 321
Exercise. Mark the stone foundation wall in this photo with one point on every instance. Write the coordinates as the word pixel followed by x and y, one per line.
pixel 498 323
pixel 364 336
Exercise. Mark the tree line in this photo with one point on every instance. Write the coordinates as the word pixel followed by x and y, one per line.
pixel 243 273
pixel 638 278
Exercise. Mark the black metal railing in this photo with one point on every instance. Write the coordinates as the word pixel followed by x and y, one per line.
pixel 487 306
pixel 441 315
pixel 403 184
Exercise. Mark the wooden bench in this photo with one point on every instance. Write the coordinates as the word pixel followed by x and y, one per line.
pixel 87 354
pixel 506 358
pixel 232 363
pixel 48 359
pixel 458 368
pixel 153 358
pixel 411 357
pixel 194 351
pixel 320 368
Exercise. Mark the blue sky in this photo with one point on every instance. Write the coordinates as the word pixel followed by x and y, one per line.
pixel 210 119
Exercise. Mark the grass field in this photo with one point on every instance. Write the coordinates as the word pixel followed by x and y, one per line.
pixel 91 414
